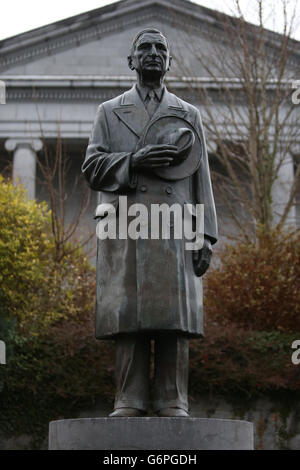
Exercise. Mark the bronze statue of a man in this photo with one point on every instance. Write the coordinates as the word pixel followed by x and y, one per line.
pixel 150 289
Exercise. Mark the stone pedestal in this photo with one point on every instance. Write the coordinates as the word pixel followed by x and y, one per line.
pixel 150 434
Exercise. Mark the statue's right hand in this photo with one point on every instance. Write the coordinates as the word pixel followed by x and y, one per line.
pixel 153 156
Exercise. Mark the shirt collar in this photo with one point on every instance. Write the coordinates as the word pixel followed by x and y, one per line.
pixel 143 91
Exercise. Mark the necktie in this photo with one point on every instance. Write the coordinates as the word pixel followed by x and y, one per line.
pixel 151 104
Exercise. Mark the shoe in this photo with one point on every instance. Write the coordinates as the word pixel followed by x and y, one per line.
pixel 126 413
pixel 173 412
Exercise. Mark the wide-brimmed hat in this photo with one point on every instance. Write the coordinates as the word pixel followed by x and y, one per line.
pixel 175 130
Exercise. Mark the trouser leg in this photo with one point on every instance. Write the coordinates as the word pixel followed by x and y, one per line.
pixel 171 372
pixel 132 368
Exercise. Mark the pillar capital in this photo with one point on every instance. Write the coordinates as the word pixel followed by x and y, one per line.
pixel 13 144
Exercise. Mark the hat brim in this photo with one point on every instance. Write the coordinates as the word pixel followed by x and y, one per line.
pixel 169 123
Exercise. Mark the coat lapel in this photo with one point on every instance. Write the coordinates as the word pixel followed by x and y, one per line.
pixel 169 104
pixel 134 115
pixel 132 112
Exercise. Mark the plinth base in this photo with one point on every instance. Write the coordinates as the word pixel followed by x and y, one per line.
pixel 150 434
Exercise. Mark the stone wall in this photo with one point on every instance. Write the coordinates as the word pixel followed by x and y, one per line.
pixel 276 424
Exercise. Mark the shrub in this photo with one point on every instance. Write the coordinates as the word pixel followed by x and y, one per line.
pixel 46 319
pixel 53 376
pixel 36 289
pixel 234 361
pixel 257 286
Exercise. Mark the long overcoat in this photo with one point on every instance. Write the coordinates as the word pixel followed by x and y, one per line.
pixel 145 285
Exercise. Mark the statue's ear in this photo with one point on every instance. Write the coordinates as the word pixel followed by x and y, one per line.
pixel 170 62
pixel 129 59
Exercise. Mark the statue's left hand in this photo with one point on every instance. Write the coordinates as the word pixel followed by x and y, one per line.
pixel 202 258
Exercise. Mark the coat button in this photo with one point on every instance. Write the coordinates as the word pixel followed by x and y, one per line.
pixel 169 189
pixel 143 188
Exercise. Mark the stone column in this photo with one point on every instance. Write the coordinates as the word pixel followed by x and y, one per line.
pixel 281 192
pixel 24 162
pixel 296 157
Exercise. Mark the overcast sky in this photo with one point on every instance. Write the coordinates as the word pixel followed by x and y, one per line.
pixel 17 16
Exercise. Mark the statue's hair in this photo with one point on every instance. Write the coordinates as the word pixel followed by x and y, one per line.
pixel 144 31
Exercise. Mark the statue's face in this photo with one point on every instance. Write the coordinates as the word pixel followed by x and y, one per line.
pixel 151 55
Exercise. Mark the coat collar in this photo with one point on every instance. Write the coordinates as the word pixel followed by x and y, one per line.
pixel 133 114
pixel 144 91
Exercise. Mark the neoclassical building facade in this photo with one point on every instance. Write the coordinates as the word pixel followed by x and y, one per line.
pixel 57 75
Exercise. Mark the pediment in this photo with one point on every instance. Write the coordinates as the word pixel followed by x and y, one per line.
pixel 97 42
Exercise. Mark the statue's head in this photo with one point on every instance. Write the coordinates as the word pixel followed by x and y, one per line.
pixel 150 53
